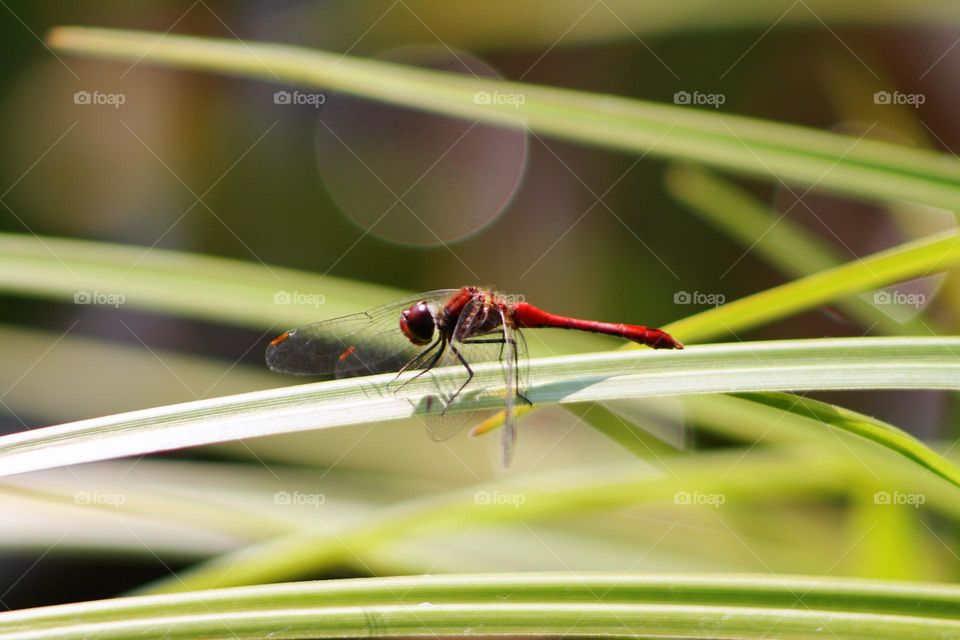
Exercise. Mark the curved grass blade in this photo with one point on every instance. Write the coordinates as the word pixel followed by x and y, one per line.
pixel 536 604
pixel 852 363
pixel 910 260
pixel 825 473
pixel 177 282
pixel 864 426
pixel 855 166
pixel 498 24
pixel 787 246
pixel 238 292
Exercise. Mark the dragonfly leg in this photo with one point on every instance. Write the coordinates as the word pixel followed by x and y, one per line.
pixel 413 362
pixel 516 360
pixel 436 357
pixel 499 341
pixel 466 365
pixel 516 374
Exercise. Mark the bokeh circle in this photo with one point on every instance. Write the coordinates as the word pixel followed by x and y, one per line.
pixel 417 178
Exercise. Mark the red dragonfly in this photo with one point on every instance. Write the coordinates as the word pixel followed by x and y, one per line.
pixel 438 328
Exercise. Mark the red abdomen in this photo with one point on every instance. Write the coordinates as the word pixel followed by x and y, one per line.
pixel 527 315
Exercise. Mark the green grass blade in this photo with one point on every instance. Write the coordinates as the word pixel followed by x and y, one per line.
pixel 914 259
pixel 910 260
pixel 176 282
pixel 627 432
pixel 687 606
pixel 854 363
pixel 238 292
pixel 136 377
pixel 795 472
pixel 541 23
pixel 778 240
pixel 856 423
pixel 854 166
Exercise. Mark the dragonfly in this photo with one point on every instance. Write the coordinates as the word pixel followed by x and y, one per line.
pixel 448 327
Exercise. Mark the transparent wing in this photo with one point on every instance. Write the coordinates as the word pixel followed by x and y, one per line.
pixel 354 345
pixel 443 425
pixel 500 344
pixel 440 424
pixel 511 370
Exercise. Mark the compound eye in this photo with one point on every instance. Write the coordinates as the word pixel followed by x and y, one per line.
pixel 417 324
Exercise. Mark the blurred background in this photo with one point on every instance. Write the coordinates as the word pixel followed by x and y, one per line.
pixel 167 159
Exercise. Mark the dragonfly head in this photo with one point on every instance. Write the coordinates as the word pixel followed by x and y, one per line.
pixel 417 323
